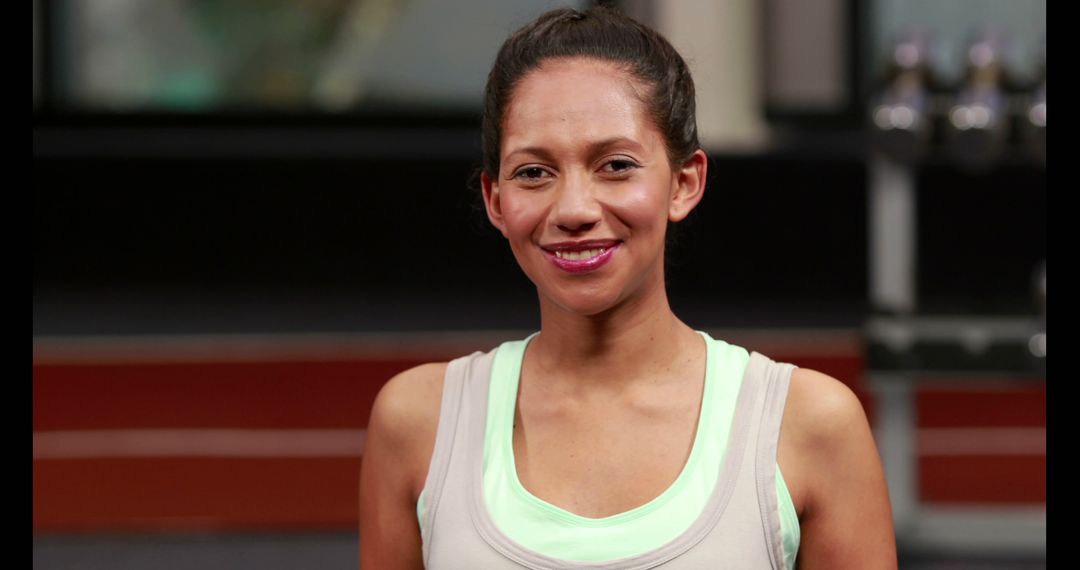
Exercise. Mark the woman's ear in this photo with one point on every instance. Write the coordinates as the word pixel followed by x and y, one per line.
pixel 689 186
pixel 492 203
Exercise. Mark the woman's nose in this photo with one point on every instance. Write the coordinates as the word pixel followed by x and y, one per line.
pixel 575 209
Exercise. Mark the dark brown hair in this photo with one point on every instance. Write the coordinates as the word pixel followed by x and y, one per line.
pixel 604 34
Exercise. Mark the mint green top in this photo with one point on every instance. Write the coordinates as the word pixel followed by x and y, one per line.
pixel 553 531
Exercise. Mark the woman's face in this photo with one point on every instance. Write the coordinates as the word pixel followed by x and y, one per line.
pixel 585 188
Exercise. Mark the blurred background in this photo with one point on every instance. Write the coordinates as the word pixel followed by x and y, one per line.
pixel 248 215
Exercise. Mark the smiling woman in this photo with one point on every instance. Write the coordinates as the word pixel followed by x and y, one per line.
pixel 584 188
pixel 616 436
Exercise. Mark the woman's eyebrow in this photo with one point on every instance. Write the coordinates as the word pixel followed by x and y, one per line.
pixel 536 151
pixel 606 144
pixel 592 148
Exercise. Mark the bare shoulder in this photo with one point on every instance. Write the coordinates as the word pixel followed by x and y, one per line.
pixel 397 450
pixel 407 406
pixel 824 425
pixel 405 417
pixel 828 444
pixel 820 413
pixel 410 398
pixel 820 409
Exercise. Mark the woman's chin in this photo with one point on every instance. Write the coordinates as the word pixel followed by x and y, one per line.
pixel 584 305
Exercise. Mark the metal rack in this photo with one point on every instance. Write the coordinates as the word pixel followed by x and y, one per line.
pixel 907 350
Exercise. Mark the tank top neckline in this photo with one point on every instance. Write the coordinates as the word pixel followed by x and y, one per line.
pixel 510 465
pixel 710 515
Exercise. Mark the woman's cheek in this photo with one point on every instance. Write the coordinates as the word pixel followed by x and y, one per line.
pixel 640 202
pixel 522 215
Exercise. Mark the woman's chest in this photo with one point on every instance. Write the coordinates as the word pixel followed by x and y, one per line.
pixel 597 461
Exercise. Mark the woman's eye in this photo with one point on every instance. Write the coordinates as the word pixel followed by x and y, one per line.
pixel 619 166
pixel 531 173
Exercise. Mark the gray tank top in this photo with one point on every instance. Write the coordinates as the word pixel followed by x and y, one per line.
pixel 739 527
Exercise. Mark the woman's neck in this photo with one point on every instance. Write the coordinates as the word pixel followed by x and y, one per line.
pixel 639 339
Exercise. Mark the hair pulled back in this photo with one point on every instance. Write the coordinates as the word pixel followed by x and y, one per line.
pixel 604 34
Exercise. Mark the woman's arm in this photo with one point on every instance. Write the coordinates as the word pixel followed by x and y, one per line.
pixel 847 519
pixel 397 451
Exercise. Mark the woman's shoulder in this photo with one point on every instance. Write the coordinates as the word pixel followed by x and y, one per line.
pixel 409 400
pixel 400 430
pixel 406 410
pixel 827 442
pixel 825 429
pixel 818 406
pixel 821 408
pixel 816 409
pixel 405 416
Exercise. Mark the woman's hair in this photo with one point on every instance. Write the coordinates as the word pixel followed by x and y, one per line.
pixel 604 34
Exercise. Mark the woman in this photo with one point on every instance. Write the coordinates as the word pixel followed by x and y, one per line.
pixel 616 434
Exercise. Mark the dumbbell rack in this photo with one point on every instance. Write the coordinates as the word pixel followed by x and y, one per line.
pixel 907 351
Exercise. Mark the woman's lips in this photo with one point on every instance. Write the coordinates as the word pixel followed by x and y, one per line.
pixel 581 258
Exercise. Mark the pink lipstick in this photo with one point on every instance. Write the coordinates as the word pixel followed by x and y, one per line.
pixel 582 256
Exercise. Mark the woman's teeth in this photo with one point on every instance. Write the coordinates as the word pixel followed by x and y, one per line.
pixel 579 255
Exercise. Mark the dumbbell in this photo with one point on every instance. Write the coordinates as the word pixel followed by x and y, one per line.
pixel 977 122
pixel 900 118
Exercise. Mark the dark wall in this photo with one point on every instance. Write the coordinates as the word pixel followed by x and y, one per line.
pixel 981 237
pixel 774 230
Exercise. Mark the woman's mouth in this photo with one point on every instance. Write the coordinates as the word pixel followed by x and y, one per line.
pixel 576 258
pixel 580 255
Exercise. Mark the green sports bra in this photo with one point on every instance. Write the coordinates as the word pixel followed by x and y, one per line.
pixel 553 531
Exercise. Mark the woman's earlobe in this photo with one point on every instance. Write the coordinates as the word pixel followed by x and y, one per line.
pixel 690 186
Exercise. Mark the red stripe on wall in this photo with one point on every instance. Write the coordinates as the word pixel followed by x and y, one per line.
pixel 983 479
pixel 196 494
pixel 980 403
pixel 220 395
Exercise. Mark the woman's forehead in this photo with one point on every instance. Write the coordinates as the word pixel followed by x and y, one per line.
pixel 576 100
pixel 567 83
